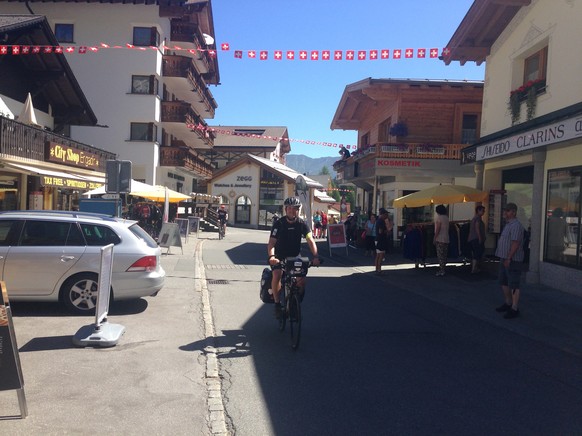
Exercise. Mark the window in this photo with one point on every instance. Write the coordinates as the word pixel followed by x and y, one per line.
pixel 384 130
pixel 50 234
pixel 562 238
pixel 143 132
pixel 469 129
pixel 535 66
pixel 64 32
pixel 99 236
pixel 146 36
pixel 144 85
pixel 365 140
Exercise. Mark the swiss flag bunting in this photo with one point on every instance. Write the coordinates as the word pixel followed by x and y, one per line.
pixel 314 55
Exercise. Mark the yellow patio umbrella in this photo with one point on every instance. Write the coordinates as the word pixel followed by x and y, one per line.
pixel 158 193
pixel 441 194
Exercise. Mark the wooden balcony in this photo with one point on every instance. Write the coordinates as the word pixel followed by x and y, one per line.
pixel 176 66
pixel 188 36
pixel 187 120
pixel 403 151
pixel 183 157
pixel 29 142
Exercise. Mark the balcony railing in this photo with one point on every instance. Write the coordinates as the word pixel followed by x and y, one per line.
pixel 189 33
pixel 185 158
pixel 178 111
pixel 182 66
pixel 29 142
pixel 404 151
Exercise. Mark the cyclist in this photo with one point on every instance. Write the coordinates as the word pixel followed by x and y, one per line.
pixel 285 241
pixel 222 217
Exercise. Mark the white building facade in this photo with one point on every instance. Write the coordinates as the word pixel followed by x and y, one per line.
pixel 530 151
pixel 145 69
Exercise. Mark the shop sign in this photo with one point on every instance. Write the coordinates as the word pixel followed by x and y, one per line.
pixel 66 183
pixel 64 154
pixel 397 163
pixel 530 139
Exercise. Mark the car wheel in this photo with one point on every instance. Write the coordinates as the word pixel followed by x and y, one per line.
pixel 79 293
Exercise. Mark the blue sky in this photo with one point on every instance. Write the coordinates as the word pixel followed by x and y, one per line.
pixel 304 95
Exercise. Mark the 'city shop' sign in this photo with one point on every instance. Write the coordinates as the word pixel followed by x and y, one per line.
pixel 546 135
pixel 63 154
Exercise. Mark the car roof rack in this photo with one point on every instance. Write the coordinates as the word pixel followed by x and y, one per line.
pixel 71 214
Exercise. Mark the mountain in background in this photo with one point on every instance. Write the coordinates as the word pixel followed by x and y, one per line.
pixel 310 166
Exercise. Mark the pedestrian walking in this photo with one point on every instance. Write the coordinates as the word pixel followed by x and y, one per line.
pixel 476 239
pixel 370 239
pixel 511 256
pixel 381 239
pixel 441 237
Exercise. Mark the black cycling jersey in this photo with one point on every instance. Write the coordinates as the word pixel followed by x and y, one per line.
pixel 222 215
pixel 288 236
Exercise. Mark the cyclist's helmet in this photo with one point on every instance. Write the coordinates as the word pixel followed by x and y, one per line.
pixel 222 206
pixel 292 201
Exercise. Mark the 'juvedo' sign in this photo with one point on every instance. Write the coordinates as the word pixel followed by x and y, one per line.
pixel 539 137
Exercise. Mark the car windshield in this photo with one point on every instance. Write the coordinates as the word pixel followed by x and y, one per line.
pixel 143 235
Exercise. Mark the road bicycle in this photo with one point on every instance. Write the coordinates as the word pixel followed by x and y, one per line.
pixel 220 230
pixel 291 296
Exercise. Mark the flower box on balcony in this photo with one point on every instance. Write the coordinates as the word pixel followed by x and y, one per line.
pixel 402 148
pixel 430 149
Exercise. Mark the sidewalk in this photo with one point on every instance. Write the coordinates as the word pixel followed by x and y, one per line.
pixel 547 315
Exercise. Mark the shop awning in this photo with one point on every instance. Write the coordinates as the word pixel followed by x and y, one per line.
pixel 60 179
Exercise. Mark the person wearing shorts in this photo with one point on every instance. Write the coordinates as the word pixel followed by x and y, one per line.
pixel 511 256
pixel 381 239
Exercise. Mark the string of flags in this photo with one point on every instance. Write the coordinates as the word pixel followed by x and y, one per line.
pixel 313 55
pixel 206 129
pixel 337 55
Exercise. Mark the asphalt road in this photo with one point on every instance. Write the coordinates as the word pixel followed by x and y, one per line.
pixel 379 355
pixel 403 353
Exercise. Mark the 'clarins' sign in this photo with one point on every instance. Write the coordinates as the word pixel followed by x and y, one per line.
pixel 71 156
pixel 545 135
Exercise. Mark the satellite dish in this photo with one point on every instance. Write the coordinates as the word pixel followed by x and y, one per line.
pixel 208 40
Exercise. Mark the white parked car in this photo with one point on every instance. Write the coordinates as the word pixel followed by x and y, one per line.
pixel 55 256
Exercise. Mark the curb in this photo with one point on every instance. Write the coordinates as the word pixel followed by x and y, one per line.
pixel 216 417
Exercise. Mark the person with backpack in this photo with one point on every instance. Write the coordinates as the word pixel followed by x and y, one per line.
pixel 323 225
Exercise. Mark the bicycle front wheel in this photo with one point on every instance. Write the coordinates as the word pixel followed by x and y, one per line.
pixel 295 320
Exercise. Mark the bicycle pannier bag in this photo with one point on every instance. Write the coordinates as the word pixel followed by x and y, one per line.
pixel 266 277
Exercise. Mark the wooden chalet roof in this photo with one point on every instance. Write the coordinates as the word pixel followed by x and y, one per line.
pixel 480 28
pixel 48 77
pixel 249 136
pixel 359 98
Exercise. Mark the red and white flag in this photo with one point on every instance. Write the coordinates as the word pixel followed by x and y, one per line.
pixel 264 55
pixel 278 55
pixel 350 55
pixel 238 54
pixel 290 55
pixel 385 54
pixel 338 55
pixel 325 55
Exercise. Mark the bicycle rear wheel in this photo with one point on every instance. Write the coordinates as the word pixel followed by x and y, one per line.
pixel 295 320
pixel 283 319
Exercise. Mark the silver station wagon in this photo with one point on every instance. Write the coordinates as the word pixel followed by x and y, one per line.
pixel 55 256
